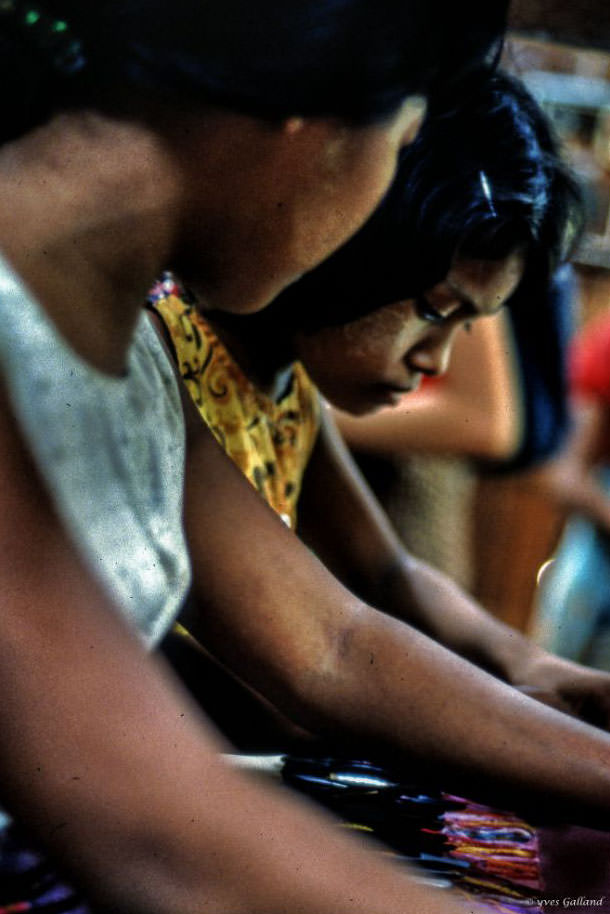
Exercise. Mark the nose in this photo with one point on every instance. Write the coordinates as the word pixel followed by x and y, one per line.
pixel 431 356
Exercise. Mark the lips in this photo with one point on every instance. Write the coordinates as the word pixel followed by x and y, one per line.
pixel 400 390
pixel 391 395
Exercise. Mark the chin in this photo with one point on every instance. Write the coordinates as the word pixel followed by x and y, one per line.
pixel 248 301
pixel 374 408
pixel 363 407
pixel 236 294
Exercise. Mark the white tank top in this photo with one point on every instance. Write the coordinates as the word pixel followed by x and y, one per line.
pixel 111 451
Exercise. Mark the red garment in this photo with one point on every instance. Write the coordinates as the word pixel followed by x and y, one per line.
pixel 589 360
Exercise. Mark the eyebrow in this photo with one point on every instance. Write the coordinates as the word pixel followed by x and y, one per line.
pixel 466 300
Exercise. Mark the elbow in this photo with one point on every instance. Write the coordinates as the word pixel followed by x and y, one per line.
pixel 313 679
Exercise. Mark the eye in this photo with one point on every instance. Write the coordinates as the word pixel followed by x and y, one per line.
pixel 427 312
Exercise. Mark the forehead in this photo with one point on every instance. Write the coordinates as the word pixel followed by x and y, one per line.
pixel 385 320
pixel 364 334
pixel 485 284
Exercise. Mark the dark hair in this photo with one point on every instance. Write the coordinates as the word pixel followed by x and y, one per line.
pixel 482 179
pixel 353 59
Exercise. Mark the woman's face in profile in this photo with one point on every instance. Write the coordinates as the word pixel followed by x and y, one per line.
pixel 354 170
pixel 293 193
pixel 372 362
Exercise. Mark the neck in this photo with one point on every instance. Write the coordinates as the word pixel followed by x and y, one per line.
pixel 90 210
pixel 261 349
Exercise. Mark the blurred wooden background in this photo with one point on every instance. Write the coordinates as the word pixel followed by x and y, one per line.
pixel 515 530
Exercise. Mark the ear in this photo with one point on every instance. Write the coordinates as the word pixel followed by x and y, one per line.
pixel 293 125
pixel 416 106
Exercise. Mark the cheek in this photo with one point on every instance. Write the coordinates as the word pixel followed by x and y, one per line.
pixel 380 340
pixel 372 178
pixel 333 361
pixel 355 186
pixel 365 352
pixel 364 355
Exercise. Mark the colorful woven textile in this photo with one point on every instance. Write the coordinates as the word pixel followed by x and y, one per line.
pixel 29 882
pixel 504 852
pixel 489 856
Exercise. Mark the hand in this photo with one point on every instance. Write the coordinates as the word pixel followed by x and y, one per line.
pixel 570 687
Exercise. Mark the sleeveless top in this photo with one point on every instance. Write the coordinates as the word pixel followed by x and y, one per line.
pixel 111 452
pixel 269 440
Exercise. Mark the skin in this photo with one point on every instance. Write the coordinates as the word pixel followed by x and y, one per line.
pixel 471 413
pixel 279 228
pixel 105 753
pixel 376 360
pixel 355 673
pixel 163 196
pixel 114 769
pixel 111 767
pixel 373 564
pixel 570 480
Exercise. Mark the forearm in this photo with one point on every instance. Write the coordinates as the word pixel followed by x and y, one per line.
pixel 402 691
pixel 358 675
pixel 351 534
pixel 571 480
pixel 575 489
pixel 419 594
pixel 284 624
pixel 588 498
pixel 114 769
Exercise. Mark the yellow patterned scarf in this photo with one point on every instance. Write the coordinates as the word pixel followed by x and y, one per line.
pixel 270 441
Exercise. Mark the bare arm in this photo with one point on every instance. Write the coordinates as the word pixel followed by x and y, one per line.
pixel 340 518
pixel 111 766
pixel 570 480
pixel 273 613
pixel 470 412
pixel 342 521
